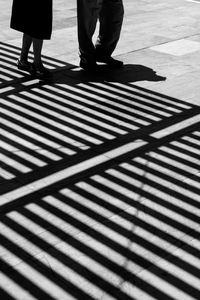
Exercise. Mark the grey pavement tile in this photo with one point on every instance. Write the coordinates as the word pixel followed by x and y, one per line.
pixel 178 48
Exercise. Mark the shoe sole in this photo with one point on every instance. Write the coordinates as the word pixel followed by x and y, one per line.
pixel 29 70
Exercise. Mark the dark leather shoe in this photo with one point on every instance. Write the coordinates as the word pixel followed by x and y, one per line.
pixel 88 65
pixel 110 61
pixel 42 73
pixel 25 66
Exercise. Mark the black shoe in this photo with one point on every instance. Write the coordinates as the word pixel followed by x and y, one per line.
pixel 42 73
pixel 110 61
pixel 25 66
pixel 88 65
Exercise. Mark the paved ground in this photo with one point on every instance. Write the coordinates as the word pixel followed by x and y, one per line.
pixel 100 194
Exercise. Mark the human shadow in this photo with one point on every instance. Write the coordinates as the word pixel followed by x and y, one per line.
pixel 129 73
pixel 62 72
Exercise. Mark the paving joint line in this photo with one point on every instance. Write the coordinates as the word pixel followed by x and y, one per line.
pixel 155 45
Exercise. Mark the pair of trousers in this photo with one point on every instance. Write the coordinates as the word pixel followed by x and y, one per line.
pixel 110 15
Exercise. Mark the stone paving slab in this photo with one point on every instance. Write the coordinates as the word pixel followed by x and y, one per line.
pixel 100 174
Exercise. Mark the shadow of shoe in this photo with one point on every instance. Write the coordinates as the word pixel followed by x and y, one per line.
pixel 128 74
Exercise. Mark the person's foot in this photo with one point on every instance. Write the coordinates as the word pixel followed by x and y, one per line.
pixel 88 65
pixel 42 73
pixel 25 66
pixel 110 61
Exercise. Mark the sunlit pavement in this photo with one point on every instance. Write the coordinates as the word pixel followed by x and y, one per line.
pixel 100 192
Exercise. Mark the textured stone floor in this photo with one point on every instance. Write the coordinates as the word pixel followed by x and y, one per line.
pixel 100 175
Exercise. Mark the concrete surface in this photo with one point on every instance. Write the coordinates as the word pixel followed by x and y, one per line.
pixel 100 193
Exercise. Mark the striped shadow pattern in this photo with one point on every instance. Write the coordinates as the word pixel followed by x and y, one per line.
pixel 127 230
pixel 10 75
pixel 99 193
pixel 43 124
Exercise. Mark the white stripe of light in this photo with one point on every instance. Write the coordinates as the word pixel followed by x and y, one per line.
pixel 123 222
pixel 66 249
pixel 59 116
pixel 26 132
pixel 14 164
pixel 140 98
pixel 22 154
pixel 173 162
pixel 14 289
pixel 5 174
pixel 104 108
pixel 49 121
pixel 179 154
pixel 132 102
pixel 37 278
pixel 186 147
pixel 176 127
pixel 36 137
pixel 68 110
pixel 147 93
pixel 68 172
pixel 46 130
pixel 168 172
pixel 139 250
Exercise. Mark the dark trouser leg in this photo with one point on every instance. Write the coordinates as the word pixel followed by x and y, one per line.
pixel 111 18
pixel 40 71
pixel 87 14
pixel 26 44
pixel 37 50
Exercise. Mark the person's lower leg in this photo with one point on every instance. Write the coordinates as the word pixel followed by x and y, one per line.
pixel 40 71
pixel 26 44
pixel 37 50
pixel 111 18
pixel 87 14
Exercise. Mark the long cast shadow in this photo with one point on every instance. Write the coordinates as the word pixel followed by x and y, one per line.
pixel 100 189
pixel 129 73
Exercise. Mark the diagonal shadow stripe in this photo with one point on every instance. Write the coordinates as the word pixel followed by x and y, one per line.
pixel 104 156
pixel 128 207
